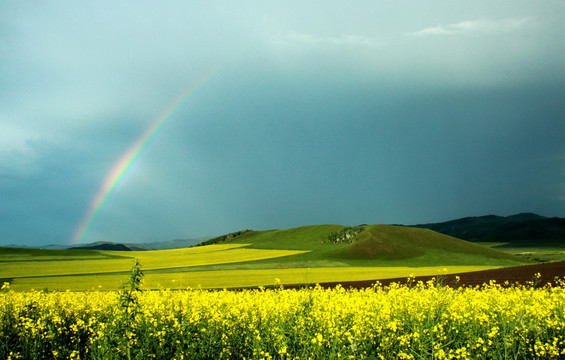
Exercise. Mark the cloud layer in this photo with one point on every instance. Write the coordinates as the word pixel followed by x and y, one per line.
pixel 478 27
pixel 408 114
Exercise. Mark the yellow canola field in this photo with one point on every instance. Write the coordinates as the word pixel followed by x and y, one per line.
pixel 397 322
pixel 150 260
pixel 219 279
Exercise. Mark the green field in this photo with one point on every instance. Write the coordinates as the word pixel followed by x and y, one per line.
pixel 219 279
pixel 529 253
pixel 116 261
pixel 294 256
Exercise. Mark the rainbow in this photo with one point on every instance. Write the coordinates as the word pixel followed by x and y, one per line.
pixel 131 156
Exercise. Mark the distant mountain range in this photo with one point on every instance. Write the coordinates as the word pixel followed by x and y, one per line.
pixel 115 246
pixel 102 245
pixel 525 229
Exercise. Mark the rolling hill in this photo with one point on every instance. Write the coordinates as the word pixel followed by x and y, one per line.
pixel 521 230
pixel 382 245
pixel 102 245
pixel 303 255
pixel 113 246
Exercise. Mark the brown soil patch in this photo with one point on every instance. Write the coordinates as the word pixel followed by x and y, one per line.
pixel 522 275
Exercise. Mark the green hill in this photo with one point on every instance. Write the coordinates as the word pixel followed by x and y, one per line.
pixel 521 230
pixel 102 245
pixel 373 245
pixel 303 255
pixel 544 232
pixel 13 254
pixel 475 228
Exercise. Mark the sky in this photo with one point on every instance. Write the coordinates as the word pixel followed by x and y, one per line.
pixel 140 121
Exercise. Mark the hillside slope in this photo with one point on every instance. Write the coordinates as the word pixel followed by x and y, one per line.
pixel 545 232
pixel 525 229
pixel 375 245
pixel 102 246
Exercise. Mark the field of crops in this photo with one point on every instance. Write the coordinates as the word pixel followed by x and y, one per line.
pixel 179 318
pixel 119 261
pixel 228 265
pixel 235 278
pixel 416 321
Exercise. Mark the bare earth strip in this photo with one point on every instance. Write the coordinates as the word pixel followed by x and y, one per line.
pixel 347 277
pixel 513 275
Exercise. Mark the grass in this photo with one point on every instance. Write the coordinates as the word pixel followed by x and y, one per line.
pixel 378 245
pixel 267 277
pixel 529 253
pixel 219 279
pixel 220 254
pixel 10 254
pixel 151 260
pixel 295 256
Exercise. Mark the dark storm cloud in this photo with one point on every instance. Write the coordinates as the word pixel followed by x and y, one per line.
pixel 408 114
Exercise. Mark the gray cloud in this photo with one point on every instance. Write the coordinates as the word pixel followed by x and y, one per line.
pixel 478 27
pixel 407 114
pixel 292 38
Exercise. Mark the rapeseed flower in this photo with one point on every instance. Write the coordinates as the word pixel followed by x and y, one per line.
pixel 405 322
